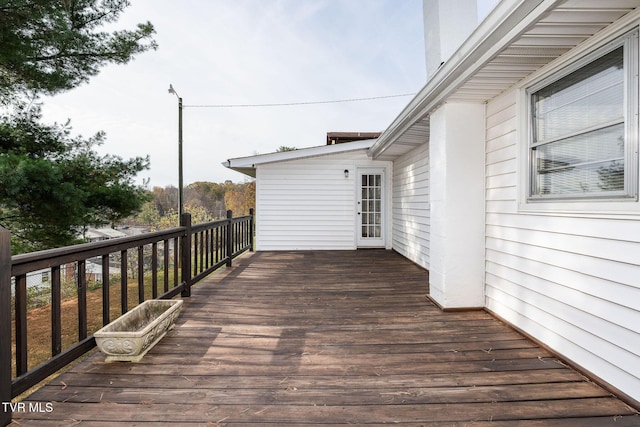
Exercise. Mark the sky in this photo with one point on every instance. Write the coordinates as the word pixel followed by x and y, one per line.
pixel 237 52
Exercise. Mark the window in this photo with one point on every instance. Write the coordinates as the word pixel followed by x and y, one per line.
pixel 583 135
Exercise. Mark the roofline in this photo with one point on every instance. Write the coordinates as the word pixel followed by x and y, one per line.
pixel 247 164
pixel 508 20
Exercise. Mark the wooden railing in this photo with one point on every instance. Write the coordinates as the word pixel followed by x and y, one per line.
pixel 162 265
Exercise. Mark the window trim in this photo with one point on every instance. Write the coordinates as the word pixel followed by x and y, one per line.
pixel 629 42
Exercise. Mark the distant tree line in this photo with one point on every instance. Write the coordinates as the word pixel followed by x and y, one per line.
pixel 205 201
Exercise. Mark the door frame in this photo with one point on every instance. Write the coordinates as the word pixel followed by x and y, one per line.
pixel 383 241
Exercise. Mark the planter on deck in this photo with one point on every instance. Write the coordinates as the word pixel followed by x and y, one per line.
pixel 132 335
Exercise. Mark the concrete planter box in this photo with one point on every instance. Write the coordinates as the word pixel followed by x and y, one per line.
pixel 132 335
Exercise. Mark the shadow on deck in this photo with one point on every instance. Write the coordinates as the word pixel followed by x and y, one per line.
pixel 313 338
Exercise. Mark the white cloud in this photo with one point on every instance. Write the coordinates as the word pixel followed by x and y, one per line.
pixel 249 51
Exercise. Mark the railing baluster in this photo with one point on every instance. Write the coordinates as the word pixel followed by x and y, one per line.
pixel 176 262
pixel 82 300
pixel 56 311
pixel 245 234
pixel 209 252
pixel 251 227
pixel 21 324
pixel 195 253
pixel 216 245
pixel 165 259
pixel 124 297
pixel 154 270
pixel 106 291
pixel 243 226
pixel 201 250
pixel 236 237
pixel 140 274
pixel 229 238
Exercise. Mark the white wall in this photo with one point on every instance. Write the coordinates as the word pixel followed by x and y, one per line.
pixel 308 203
pixel 411 214
pixel 570 280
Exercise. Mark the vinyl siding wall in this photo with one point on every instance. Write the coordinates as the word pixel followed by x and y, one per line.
pixel 308 203
pixel 411 222
pixel 570 280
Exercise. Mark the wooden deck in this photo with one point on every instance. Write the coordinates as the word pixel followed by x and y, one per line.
pixel 315 338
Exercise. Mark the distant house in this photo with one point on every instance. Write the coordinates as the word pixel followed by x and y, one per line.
pixel 342 137
pixel 42 278
pixel 93 267
pixel 102 233
pixel 512 176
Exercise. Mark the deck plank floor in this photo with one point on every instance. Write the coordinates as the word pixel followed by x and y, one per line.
pixel 328 338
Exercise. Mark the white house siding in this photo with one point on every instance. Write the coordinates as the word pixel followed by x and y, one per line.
pixel 308 203
pixel 411 205
pixel 572 281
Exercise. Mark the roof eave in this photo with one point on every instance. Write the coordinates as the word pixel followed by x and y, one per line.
pixel 247 165
pixel 502 26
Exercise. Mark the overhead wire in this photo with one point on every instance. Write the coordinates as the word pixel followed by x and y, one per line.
pixel 287 104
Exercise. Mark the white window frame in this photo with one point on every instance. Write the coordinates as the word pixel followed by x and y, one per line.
pixel 591 201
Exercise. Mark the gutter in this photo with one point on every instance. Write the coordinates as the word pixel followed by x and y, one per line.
pixel 504 25
pixel 247 165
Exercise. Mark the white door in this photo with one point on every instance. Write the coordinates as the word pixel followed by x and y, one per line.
pixel 370 208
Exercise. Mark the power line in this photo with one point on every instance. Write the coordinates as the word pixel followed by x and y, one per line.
pixel 287 104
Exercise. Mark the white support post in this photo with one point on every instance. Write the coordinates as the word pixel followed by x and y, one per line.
pixel 457 164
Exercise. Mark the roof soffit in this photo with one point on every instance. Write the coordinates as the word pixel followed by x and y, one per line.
pixel 516 39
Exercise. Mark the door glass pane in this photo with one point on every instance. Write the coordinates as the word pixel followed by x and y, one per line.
pixel 371 203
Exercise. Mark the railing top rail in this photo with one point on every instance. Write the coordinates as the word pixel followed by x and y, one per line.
pixel 25 263
pixel 218 223
pixel 241 218
pixel 207 225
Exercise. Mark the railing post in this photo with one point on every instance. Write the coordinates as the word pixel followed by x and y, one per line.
pixel 5 326
pixel 185 248
pixel 251 227
pixel 229 238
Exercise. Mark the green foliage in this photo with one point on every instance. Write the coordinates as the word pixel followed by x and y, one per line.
pixel 148 214
pixel 285 148
pixel 53 184
pixel 48 46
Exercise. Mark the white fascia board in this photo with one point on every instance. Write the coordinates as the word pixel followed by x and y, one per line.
pixel 508 20
pixel 247 165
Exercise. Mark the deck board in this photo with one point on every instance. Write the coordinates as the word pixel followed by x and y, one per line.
pixel 328 338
